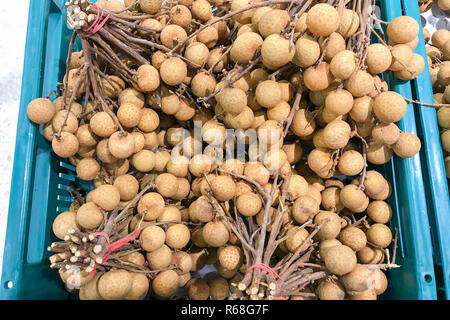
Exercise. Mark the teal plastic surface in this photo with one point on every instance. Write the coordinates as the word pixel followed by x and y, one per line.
pixel 433 166
pixel 40 180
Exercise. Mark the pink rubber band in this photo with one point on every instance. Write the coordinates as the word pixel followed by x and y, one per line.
pixel 116 245
pixel 97 24
pixel 266 268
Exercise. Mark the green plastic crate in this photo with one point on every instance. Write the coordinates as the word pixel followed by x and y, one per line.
pixel 40 180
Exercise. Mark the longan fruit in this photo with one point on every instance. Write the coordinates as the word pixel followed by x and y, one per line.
pixel 232 165
pixel 232 100
pixel 133 96
pixel 71 124
pixel 89 290
pixel 63 222
pixel 379 211
pixel 121 145
pixel 87 169
pixel 152 238
pixel 134 257
pixel 170 213
pixel 170 36
pixel 153 204
pixel 297 186
pixel 166 184
pixel 41 110
pixel 201 9
pixel 374 182
pixel 177 236
pixel 185 112
pixel 335 44
pixel 243 120
pixel 343 64
pixel 197 289
pixel 139 287
pixel 379 58
pixel 160 258
pixel 257 172
pixel 319 160
pixel 340 260
pixel 349 23
pixel 129 114
pixel 113 87
pixel 387 134
pixel 66 146
pixel 275 159
pixel 85 136
pixel 244 17
pixel 407 145
pixel 144 160
pixel 248 204
pixel 213 60
pixel 102 124
pixel 178 166
pixel 173 71
pixel 402 29
pixel 245 46
pixel 318 78
pixel 368 294
pixel 443 75
pixel 322 19
pixel 103 152
pixel 268 93
pixel 127 185
pixel 181 15
pixel 293 152
pixel 379 234
pixel 197 53
pixel 352 197
pixel 379 282
pixel 351 163
pixel 89 216
pixel 353 237
pixel 336 134
pixel 294 242
pixel 358 279
pixel 273 22
pixel 330 290
pixel 114 284
pixel 165 284
pixel 106 197
pixel 378 153
pixel 203 84
pixel 401 56
pixel 215 233
pixel 370 255
pixel 230 257
pixel 413 69
pixel 208 36
pixel 147 78
pixel 183 261
pixel 331 199
pixel 360 83
pixel 223 188
pixel 201 210
pixel 339 101
pixel 276 51
pixel 303 123
pixel 219 288
pixel 331 229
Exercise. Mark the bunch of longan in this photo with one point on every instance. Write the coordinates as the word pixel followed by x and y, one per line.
pixel 438 54
pixel 305 79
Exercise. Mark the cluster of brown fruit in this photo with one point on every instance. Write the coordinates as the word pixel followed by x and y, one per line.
pixel 438 54
pixel 303 76
pixel 425 5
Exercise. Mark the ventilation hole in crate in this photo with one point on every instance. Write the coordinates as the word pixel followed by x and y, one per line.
pixel 9 285
pixel 428 278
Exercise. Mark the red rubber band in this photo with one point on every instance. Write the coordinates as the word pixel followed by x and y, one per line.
pixel 266 268
pixel 97 24
pixel 116 245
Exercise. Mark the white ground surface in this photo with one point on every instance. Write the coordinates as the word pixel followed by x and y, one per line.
pixel 12 47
